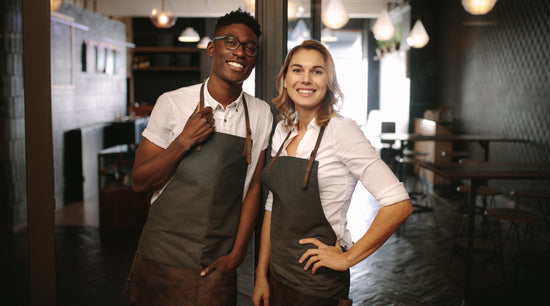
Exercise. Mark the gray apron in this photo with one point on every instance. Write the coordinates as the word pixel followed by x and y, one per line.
pixel 192 223
pixel 297 213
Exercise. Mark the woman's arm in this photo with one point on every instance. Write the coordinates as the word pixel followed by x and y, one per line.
pixel 386 222
pixel 261 287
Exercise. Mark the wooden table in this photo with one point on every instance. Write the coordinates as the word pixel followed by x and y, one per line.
pixel 477 173
pixel 483 140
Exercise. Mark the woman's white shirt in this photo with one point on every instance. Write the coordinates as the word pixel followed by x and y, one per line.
pixel 345 156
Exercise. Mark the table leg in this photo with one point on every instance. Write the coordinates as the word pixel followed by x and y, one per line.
pixel 474 185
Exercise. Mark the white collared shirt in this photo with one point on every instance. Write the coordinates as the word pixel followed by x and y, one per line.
pixel 345 156
pixel 173 108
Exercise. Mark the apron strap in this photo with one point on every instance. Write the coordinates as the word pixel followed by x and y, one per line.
pixel 311 157
pixel 200 106
pixel 247 150
pixel 278 152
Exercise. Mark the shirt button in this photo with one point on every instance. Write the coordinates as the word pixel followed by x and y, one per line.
pixel 224 120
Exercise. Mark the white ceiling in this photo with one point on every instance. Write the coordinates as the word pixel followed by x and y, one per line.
pixel 216 8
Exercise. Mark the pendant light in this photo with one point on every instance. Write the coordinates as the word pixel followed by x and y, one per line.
pixel 383 27
pixel 189 35
pixel 478 7
pixel 295 10
pixel 55 4
pixel 418 37
pixel 162 15
pixel 203 43
pixel 335 15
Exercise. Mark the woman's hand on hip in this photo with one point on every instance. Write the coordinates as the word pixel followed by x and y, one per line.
pixel 328 256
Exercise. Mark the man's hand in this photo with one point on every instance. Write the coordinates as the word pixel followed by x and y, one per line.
pixel 198 128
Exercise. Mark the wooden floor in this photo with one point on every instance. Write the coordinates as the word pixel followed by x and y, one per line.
pixel 413 267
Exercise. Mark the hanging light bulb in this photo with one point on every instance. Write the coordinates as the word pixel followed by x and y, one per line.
pixel 55 4
pixel 418 37
pixel 295 10
pixel 478 7
pixel 383 27
pixel 189 35
pixel 163 16
pixel 203 43
pixel 335 15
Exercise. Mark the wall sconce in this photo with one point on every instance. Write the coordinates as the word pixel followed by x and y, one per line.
pixel 418 37
pixel 163 16
pixel 478 7
pixel 203 43
pixel 383 27
pixel 335 15
pixel 55 4
pixel 189 35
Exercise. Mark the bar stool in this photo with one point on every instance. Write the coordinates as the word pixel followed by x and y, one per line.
pixel 514 218
pixel 541 199
pixel 486 193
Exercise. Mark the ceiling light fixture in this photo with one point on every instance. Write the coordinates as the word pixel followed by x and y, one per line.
pixel 418 37
pixel 335 15
pixel 162 15
pixel 189 35
pixel 295 10
pixel 383 27
pixel 478 7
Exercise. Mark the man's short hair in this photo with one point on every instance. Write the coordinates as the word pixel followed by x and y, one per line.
pixel 238 16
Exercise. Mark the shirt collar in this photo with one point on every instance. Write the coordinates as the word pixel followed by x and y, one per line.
pixel 313 125
pixel 209 101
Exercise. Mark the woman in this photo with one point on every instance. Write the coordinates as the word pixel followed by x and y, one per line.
pixel 317 159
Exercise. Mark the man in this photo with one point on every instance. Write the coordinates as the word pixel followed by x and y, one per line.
pixel 202 153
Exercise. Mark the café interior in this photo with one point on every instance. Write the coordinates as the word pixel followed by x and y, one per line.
pixel 453 95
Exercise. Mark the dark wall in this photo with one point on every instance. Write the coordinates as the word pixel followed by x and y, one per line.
pixel 492 71
pixel 13 206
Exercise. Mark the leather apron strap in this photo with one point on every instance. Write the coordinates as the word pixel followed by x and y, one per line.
pixel 247 150
pixel 297 213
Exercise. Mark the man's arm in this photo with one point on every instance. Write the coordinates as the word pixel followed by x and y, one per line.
pixel 153 165
pixel 247 221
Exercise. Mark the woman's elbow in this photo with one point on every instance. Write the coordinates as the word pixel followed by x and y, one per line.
pixel 407 209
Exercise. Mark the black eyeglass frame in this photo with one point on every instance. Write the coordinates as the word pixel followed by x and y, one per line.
pixel 238 45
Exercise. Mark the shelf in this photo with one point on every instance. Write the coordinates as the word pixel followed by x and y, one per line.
pixel 166 50
pixel 169 68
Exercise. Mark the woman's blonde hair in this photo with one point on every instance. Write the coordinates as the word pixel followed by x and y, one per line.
pixel 327 110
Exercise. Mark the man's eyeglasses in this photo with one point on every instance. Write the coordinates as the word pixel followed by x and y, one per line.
pixel 232 43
